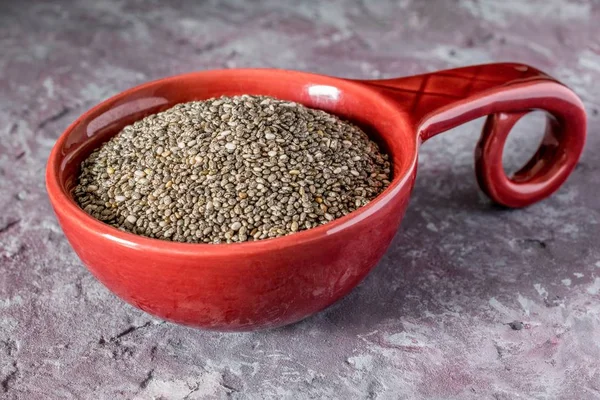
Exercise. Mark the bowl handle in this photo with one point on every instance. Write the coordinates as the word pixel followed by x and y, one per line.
pixel 504 92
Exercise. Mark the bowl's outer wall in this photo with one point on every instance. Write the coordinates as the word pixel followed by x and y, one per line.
pixel 275 282
pixel 256 290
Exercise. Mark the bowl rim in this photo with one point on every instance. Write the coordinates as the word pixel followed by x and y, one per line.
pixel 65 206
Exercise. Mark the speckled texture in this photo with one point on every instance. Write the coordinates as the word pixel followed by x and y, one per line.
pixel 430 322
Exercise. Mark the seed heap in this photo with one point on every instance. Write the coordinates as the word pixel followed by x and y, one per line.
pixel 231 169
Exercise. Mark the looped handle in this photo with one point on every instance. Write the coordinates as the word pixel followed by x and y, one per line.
pixel 541 176
pixel 443 100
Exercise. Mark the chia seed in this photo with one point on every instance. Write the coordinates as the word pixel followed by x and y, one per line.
pixel 231 169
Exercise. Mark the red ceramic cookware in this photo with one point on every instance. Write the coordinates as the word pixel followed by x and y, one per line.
pixel 278 281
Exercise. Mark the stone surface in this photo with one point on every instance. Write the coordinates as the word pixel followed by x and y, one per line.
pixel 437 318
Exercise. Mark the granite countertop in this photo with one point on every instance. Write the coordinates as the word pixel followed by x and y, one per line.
pixel 430 322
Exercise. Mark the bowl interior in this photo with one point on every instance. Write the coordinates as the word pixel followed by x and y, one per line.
pixel 379 116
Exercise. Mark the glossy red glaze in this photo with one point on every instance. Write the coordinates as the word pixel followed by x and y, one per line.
pixel 279 281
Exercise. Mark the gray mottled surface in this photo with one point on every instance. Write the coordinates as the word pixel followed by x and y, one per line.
pixel 430 322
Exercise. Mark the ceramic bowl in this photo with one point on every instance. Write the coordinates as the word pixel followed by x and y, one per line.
pixel 274 282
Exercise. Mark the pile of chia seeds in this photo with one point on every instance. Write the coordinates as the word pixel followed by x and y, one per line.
pixel 231 169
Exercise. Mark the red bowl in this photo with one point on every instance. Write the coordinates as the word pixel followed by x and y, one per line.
pixel 278 281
